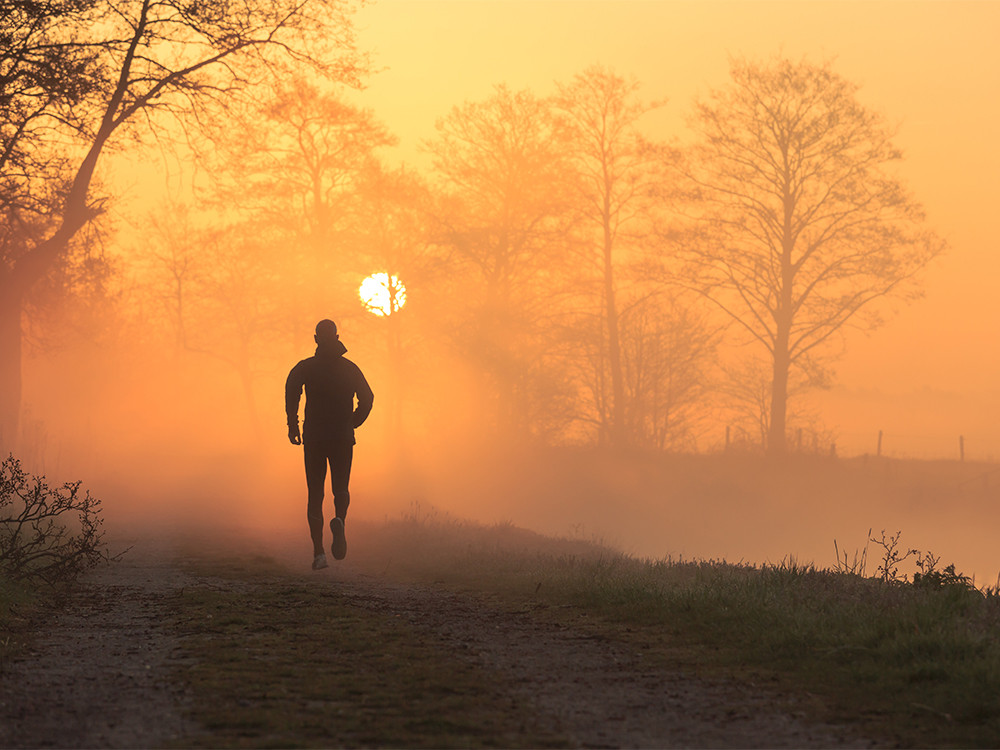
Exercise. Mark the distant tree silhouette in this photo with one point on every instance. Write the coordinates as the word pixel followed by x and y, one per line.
pixel 666 353
pixel 502 215
pixel 172 265
pixel 216 287
pixel 294 158
pixel 76 75
pixel 614 168
pixel 799 225
pixel 311 151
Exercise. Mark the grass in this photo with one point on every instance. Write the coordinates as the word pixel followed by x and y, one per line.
pixel 337 674
pixel 21 606
pixel 908 665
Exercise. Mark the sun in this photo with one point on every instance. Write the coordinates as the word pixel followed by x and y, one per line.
pixel 382 294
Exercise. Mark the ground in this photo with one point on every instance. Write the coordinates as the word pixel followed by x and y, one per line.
pixel 102 672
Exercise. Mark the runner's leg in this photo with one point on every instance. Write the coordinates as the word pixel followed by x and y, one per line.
pixel 341 455
pixel 315 458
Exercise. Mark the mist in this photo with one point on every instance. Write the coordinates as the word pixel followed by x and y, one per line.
pixel 566 360
pixel 173 454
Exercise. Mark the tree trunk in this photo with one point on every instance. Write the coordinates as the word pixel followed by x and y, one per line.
pixel 783 326
pixel 779 401
pixel 614 343
pixel 37 262
pixel 10 365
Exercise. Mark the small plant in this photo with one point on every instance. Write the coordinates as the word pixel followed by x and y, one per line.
pixel 46 534
pixel 931 578
pixel 892 556
pixel 856 567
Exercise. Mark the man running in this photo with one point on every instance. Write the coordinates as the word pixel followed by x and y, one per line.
pixel 331 384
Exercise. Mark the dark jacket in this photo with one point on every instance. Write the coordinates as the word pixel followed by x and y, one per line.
pixel 331 383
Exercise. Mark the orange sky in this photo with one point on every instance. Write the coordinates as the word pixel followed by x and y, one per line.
pixel 934 67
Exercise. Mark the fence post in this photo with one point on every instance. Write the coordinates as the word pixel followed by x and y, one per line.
pixel 727 438
pixel 961 447
pixel 878 452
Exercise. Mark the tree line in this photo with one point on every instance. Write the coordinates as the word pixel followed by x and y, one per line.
pixel 601 285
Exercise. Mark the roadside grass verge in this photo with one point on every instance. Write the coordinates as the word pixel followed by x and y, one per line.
pixel 904 664
pixel 272 660
pixel 19 604
pixel 15 596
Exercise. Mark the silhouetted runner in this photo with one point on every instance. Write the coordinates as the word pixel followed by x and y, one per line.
pixel 331 384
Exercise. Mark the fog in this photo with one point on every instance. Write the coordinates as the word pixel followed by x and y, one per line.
pixel 577 373
pixel 174 455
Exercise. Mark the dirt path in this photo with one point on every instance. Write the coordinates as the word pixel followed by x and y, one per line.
pixel 599 692
pixel 96 676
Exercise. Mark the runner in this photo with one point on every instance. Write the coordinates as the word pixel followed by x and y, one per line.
pixel 331 383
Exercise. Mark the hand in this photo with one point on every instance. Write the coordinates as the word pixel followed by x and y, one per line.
pixel 294 437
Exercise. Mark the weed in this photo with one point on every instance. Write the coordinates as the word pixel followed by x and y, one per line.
pixel 892 556
pixel 858 565
pixel 930 577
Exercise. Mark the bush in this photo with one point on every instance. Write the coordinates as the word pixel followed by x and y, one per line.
pixel 46 534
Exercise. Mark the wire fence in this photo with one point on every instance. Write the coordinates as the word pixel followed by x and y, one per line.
pixel 959 447
pixel 971 447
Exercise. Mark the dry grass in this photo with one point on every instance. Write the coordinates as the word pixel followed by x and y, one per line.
pixel 914 665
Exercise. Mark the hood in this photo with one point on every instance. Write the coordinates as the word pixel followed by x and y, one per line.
pixel 328 351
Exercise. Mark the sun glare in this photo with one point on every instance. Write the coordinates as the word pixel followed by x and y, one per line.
pixel 382 294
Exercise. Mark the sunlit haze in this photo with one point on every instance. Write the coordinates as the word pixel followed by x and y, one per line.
pixel 932 67
pixel 502 390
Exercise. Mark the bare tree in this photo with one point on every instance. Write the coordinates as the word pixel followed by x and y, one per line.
pixel 75 75
pixel 666 351
pixel 502 215
pixel 293 155
pixel 800 227
pixel 614 170
pixel 742 387
pixel 216 285
pixel 294 159
pixel 171 267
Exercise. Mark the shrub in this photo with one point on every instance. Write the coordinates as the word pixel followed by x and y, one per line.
pixel 46 534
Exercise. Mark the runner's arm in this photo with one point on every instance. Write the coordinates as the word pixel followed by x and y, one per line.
pixel 293 392
pixel 365 399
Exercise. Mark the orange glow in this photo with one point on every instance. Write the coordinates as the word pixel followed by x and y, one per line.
pixel 169 401
pixel 931 67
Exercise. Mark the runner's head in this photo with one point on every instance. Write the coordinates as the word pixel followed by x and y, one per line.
pixel 326 332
